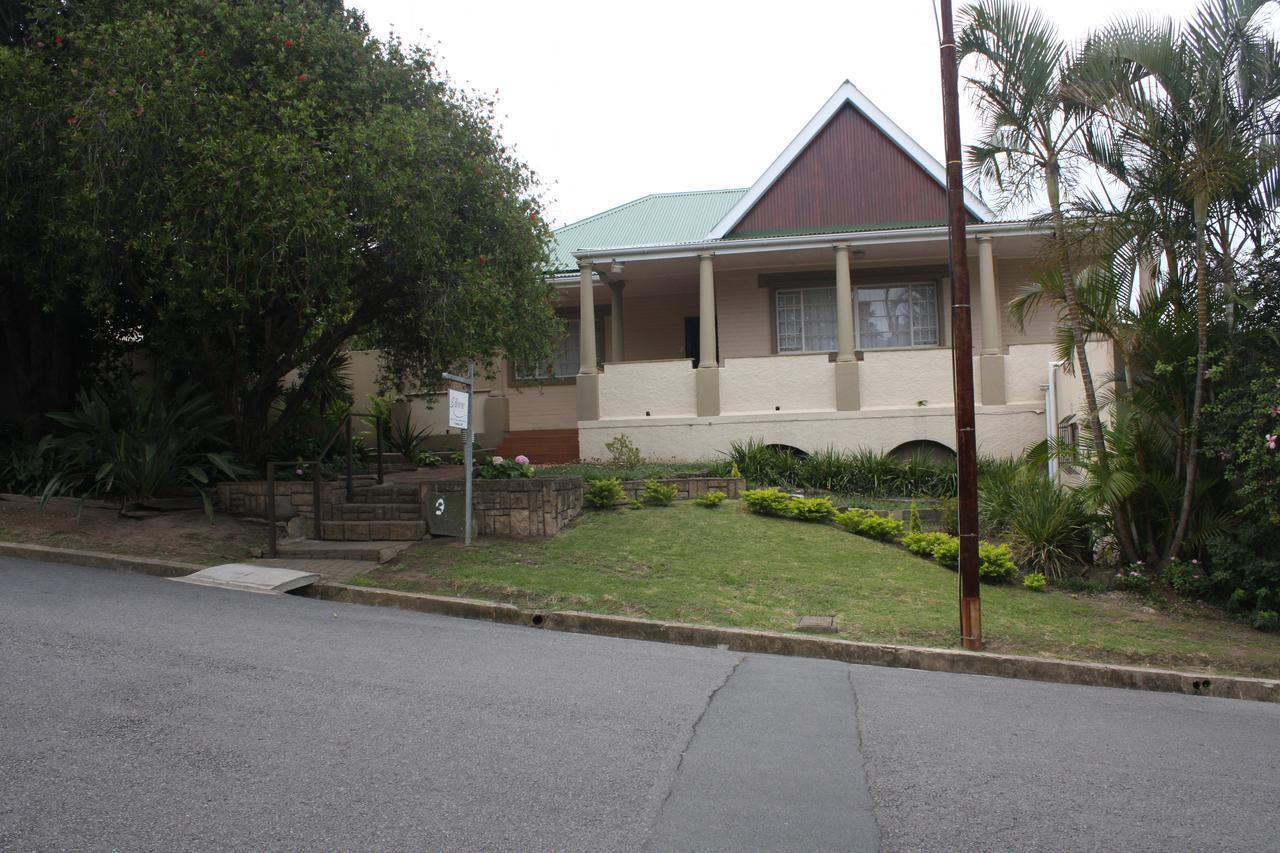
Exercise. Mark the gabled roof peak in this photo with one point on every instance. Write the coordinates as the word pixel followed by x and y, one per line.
pixel 846 94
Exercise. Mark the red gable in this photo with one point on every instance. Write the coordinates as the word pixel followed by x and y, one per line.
pixel 850 175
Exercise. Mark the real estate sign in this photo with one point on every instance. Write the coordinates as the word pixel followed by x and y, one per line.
pixel 458 408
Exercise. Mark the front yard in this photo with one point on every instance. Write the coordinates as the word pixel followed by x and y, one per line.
pixel 725 567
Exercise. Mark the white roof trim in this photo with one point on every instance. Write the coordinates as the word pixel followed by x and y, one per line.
pixel 846 94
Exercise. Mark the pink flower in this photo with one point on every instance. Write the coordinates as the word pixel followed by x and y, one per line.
pixel 522 459
pixel 1271 442
pixel 497 460
pixel 1275 410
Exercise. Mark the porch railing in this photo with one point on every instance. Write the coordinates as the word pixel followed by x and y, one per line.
pixel 317 475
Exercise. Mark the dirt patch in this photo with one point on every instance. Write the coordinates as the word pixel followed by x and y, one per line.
pixel 186 535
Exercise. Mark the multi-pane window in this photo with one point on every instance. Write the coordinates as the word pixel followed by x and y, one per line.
pixel 564 362
pixel 807 320
pixel 897 315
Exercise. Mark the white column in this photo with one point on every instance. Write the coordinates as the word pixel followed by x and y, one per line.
pixel 844 306
pixel 706 312
pixel 615 321
pixel 990 301
pixel 586 322
pixel 1146 276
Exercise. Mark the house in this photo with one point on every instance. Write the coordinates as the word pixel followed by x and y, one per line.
pixel 810 309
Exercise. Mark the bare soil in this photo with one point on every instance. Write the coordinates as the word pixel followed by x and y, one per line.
pixel 186 535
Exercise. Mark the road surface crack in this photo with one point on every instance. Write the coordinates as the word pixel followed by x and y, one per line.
pixel 862 756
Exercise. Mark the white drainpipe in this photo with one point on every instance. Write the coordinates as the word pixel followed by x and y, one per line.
pixel 1051 414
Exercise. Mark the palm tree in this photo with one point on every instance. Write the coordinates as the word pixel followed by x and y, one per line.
pixel 1201 105
pixel 1030 140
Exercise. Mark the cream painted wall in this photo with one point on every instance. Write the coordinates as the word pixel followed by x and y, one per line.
pixel 546 407
pixel 792 383
pixel 662 388
pixel 895 379
pixel 653 325
pixel 743 316
pixel 1002 431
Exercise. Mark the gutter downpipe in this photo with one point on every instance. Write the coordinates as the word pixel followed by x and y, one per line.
pixel 1051 416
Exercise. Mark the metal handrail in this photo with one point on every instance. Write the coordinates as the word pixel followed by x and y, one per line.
pixel 317 473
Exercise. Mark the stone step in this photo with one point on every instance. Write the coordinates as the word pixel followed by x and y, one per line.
pixel 311 549
pixel 386 495
pixel 376 512
pixel 361 531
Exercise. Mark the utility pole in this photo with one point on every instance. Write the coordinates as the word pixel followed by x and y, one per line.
pixel 961 346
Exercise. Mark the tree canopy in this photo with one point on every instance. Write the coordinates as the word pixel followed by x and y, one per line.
pixel 240 188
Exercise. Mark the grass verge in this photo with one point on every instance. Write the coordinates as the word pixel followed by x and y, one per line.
pixel 725 567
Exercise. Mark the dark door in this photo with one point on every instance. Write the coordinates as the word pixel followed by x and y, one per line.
pixel 692 336
pixel 693 340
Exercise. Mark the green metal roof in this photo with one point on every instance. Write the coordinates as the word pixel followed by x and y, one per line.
pixel 657 219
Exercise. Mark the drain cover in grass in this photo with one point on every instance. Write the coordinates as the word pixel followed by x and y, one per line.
pixel 817 624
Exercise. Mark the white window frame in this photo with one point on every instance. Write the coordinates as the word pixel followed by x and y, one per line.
pixel 777 319
pixel 937 306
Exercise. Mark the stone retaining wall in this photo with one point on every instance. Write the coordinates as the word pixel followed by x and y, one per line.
pixel 540 506
pixel 690 487
pixel 249 497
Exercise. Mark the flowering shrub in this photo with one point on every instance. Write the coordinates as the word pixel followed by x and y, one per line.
pixel 498 468
pixel 1132 579
pixel 1188 579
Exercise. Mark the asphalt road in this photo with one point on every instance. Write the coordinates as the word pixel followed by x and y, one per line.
pixel 141 714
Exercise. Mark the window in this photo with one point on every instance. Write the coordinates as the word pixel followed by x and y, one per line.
pixel 807 320
pixel 897 315
pixel 564 360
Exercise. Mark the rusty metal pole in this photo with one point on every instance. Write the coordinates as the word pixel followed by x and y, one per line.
pixel 350 462
pixel 961 345
pixel 318 529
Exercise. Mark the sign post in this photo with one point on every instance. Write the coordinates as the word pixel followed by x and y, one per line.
pixel 460 403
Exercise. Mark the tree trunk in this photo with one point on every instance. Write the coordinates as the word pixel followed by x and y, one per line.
pixel 1201 211
pixel 1121 525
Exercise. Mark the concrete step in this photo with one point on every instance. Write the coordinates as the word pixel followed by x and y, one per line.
pixel 376 512
pixel 361 531
pixel 311 549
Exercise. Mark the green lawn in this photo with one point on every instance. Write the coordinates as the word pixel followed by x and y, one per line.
pixel 725 567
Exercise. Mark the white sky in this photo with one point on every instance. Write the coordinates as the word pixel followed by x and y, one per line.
pixel 608 101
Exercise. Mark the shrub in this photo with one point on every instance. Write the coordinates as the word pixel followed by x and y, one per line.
pixel 913 519
pixel 1245 572
pixel 658 494
pixel 604 494
pixel 812 509
pixel 622 453
pixel 1132 579
pixel 995 563
pixel 426 459
pixel 864 522
pixel 768 502
pixel 947 552
pixel 1189 580
pixel 922 544
pixel 136 443
pixel 1035 581
pixel 1047 525
pixel 710 500
pixel 25 468
pixel 499 468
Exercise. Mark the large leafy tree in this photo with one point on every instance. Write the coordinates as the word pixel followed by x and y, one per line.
pixel 243 187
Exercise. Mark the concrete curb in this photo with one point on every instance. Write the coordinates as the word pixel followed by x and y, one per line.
pixel 846 651
pixel 734 639
pixel 98 560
